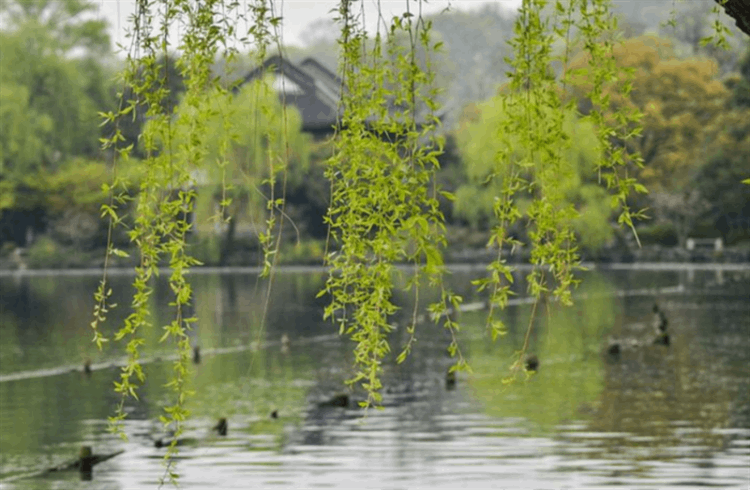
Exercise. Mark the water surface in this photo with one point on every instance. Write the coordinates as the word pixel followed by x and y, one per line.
pixel 655 417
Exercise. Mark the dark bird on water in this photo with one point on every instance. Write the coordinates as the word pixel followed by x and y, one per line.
pixel 87 366
pixel 450 379
pixel 614 348
pixel 275 414
pixel 340 400
pixel 662 339
pixel 197 354
pixel 532 363
pixel 183 441
pixel 660 319
pixel 660 326
pixel 221 427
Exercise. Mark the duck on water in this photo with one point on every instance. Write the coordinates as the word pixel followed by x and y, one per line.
pixel 661 336
pixel 532 363
pixel 660 323
pixel 221 428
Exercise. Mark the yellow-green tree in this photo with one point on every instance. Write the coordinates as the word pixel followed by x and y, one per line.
pixel 681 100
pixel 479 147
pixel 247 134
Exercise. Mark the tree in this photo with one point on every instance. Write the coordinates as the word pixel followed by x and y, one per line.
pixel 57 27
pixel 719 178
pixel 740 84
pixel 682 102
pixel 475 200
pixel 55 89
pixel 257 126
pixel 51 91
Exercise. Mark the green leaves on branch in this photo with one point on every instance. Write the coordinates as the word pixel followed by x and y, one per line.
pixel 175 148
pixel 382 210
pixel 533 172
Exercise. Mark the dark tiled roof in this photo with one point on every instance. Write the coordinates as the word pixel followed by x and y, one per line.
pixel 311 87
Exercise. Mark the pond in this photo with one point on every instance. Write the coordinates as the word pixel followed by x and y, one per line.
pixel 651 417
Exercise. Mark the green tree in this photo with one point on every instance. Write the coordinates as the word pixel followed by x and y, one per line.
pixel 478 146
pixel 682 101
pixel 24 135
pixel 49 47
pixel 740 83
pixel 719 179
pixel 243 131
pixel 52 88
pixel 57 26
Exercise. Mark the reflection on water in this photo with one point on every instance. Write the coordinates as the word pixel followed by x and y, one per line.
pixel 653 417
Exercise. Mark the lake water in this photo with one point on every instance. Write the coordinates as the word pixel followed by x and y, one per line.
pixel 655 417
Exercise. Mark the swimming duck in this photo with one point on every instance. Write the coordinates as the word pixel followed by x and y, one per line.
pixel 660 321
pixel 183 441
pixel 662 339
pixel 221 427
pixel 450 379
pixel 532 363
pixel 87 367
pixel 275 414
pixel 339 400
pixel 613 349
pixel 197 354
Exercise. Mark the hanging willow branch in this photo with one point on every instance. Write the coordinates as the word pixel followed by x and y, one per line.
pixel 382 211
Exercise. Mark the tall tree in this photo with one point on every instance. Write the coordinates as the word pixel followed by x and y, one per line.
pixel 475 200
pixel 57 26
pixel 52 88
pixel 243 129
pixel 681 100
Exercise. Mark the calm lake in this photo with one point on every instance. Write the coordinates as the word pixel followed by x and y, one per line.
pixel 654 417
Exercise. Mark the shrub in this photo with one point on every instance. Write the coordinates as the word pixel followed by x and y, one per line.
pixel 45 253
pixel 658 234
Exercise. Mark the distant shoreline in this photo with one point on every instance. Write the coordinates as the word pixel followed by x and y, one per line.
pixel 301 269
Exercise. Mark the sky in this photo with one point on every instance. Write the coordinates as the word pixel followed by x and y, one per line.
pixel 298 14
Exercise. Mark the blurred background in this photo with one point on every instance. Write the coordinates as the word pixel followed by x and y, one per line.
pixel 59 65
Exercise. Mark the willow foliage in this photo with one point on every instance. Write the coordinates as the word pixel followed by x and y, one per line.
pixel 384 207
